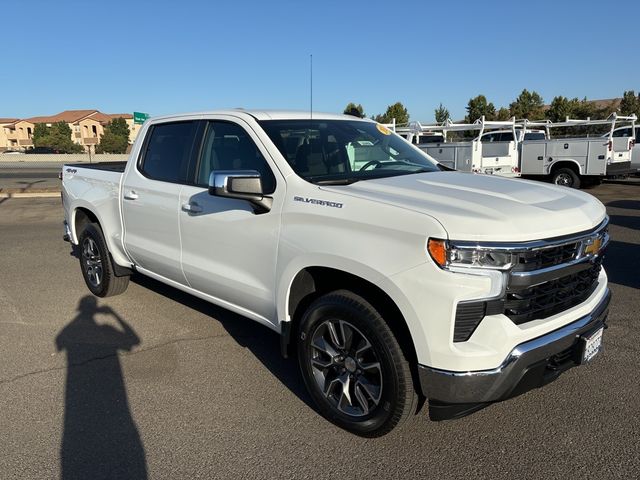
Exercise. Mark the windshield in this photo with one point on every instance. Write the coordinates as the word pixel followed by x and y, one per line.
pixel 344 151
pixel 534 136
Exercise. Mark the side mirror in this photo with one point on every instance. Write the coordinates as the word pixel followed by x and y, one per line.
pixel 240 184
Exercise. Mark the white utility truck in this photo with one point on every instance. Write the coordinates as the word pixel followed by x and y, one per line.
pixel 632 135
pixel 525 148
pixel 388 276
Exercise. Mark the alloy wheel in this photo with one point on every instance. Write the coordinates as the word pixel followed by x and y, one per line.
pixel 346 367
pixel 564 179
pixel 92 261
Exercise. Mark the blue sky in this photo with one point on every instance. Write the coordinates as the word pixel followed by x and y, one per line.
pixel 175 56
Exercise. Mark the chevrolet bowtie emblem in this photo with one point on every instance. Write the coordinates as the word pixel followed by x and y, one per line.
pixel 592 246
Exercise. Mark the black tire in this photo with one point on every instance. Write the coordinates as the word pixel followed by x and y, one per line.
pixel 591 182
pixel 566 177
pixel 396 398
pixel 95 264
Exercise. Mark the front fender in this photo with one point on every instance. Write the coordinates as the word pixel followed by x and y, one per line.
pixel 298 264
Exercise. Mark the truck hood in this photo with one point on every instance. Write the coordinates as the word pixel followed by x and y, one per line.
pixel 485 207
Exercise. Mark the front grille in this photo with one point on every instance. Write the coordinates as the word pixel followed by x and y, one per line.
pixel 546 257
pixel 526 298
pixel 541 301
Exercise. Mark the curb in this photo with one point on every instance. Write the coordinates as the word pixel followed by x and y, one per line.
pixel 30 195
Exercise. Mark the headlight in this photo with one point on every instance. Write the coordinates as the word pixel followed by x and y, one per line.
pixel 446 256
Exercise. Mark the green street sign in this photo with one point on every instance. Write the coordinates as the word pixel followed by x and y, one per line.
pixel 139 117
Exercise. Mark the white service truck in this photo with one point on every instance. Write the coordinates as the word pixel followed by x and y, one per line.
pixel 524 148
pixel 390 278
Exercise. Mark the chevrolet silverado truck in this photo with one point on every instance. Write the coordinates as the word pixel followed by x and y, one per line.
pixel 395 281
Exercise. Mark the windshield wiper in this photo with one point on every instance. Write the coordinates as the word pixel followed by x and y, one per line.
pixel 419 170
pixel 337 181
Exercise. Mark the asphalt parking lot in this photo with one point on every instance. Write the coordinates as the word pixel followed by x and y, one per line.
pixel 155 383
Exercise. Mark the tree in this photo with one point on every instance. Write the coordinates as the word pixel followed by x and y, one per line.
pixel 39 132
pixel 442 114
pixel 57 136
pixel 112 143
pixel 477 107
pixel 630 103
pixel 355 110
pixel 503 114
pixel 115 138
pixel 528 105
pixel 118 126
pixel 588 109
pixel 397 111
pixel 561 108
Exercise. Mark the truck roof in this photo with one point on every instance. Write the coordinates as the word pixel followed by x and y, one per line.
pixel 267 114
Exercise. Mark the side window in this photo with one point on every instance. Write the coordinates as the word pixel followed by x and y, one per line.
pixel 488 138
pixel 168 150
pixel 623 132
pixel 227 146
pixel 534 136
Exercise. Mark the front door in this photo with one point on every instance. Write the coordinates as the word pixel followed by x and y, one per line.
pixel 228 250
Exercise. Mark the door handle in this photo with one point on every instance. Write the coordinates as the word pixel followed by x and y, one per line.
pixel 191 208
pixel 132 195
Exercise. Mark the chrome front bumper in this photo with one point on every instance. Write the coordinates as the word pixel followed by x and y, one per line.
pixel 529 365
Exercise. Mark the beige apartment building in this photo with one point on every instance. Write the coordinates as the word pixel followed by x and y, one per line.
pixel 16 134
pixel 87 126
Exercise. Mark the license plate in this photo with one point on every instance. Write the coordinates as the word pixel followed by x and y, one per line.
pixel 592 345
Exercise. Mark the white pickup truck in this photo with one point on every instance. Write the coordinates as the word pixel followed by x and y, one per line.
pixel 390 277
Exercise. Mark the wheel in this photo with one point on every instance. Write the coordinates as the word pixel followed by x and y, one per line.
pixel 566 177
pixel 591 182
pixel 96 265
pixel 353 365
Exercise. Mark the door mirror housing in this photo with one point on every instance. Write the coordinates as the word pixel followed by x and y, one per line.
pixel 242 185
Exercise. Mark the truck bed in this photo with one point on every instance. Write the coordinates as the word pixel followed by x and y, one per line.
pixel 109 166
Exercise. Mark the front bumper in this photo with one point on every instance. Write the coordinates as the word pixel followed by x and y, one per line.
pixel 529 365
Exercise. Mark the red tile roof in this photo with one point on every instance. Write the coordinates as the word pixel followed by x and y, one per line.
pixel 68 116
pixel 75 116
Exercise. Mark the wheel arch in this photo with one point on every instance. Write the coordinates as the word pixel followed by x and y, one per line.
pixel 311 282
pixel 565 163
pixel 82 215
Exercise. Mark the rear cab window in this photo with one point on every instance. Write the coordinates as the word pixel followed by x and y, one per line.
pixel 622 132
pixel 497 137
pixel 168 150
pixel 534 136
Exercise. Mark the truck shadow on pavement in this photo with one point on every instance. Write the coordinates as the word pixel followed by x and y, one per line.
pixel 100 438
pixel 263 342
pixel 628 204
pixel 625 221
pixel 622 263
pixel 622 259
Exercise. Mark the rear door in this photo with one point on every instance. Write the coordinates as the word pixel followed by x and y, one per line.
pixel 151 198
pixel 228 250
pixel 621 145
pixel 499 153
